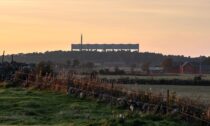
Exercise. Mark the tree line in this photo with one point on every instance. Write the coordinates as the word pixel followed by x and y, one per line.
pixel 101 57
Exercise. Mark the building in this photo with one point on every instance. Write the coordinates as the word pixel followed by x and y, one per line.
pixel 104 47
pixel 156 70
pixel 194 68
pixel 191 68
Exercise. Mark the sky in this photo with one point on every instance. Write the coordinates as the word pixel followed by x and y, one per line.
pixel 180 27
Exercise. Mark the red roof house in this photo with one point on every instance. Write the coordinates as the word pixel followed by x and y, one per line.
pixel 189 68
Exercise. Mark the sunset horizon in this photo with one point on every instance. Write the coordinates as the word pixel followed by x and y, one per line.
pixel 167 27
pixel 105 62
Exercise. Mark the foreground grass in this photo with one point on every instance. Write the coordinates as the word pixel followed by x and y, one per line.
pixel 28 107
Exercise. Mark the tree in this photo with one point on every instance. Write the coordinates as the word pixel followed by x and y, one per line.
pixel 167 64
pixel 206 61
pixel 145 67
pixel 117 71
pixel 133 66
pixel 68 63
pixel 44 68
pixel 76 63
pixel 89 65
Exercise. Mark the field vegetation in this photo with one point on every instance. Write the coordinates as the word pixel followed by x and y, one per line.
pixel 19 106
pixel 198 93
pixel 165 77
pixel 91 101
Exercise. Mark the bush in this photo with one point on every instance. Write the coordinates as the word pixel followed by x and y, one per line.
pixel 8 84
pixel 44 68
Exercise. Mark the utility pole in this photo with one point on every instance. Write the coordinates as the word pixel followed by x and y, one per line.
pixel 81 53
pixel 81 42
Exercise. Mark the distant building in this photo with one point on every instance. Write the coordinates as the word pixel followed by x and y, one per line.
pixel 104 47
pixel 156 70
pixel 189 68
pixel 194 68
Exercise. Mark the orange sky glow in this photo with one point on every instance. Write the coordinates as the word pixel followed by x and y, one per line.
pixel 180 27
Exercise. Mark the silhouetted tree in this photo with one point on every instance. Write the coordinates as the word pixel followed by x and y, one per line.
pixel 99 57
pixel 76 63
pixel 89 65
pixel 167 64
pixel 68 63
pixel 44 68
pixel 206 61
pixel 133 66
pixel 145 67
pixel 117 71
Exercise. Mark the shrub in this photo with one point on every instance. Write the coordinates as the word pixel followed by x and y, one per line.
pixel 44 68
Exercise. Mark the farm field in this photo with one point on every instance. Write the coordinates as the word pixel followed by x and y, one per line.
pixel 168 77
pixel 29 107
pixel 201 93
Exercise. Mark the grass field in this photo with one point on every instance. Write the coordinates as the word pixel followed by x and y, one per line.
pixel 201 93
pixel 28 107
pixel 169 77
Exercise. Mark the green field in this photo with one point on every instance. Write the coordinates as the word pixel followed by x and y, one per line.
pixel 28 107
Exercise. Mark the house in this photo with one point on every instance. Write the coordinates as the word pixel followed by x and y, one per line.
pixel 190 68
pixel 156 70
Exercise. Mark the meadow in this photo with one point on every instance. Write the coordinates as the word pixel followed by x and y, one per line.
pixel 158 77
pixel 19 106
pixel 196 92
pixel 199 93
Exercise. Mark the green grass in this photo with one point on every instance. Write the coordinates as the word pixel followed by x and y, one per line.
pixel 28 107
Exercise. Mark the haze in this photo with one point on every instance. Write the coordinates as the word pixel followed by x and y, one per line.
pixel 166 26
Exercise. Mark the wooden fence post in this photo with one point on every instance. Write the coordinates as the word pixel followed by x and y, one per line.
pixel 208 114
pixel 168 100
